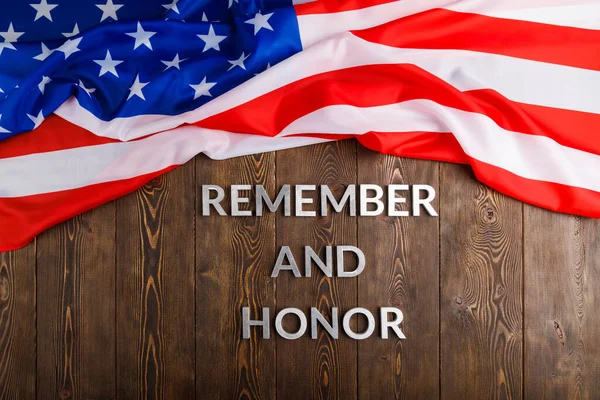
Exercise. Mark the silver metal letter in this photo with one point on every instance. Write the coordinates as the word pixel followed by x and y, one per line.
pixel 349 195
pixel 310 255
pixel 207 201
pixel 284 195
pixel 300 201
pixel 292 266
pixel 395 324
pixel 247 323
pixel 340 261
pixel 236 200
pixel 365 200
pixel 393 200
pixel 417 201
pixel 279 327
pixel 370 323
pixel 332 329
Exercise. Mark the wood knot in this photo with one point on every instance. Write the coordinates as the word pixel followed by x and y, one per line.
pixel 500 290
pixel 458 300
pixel 64 393
pixel 387 219
pixel 398 364
pixel 490 215
pixel 559 332
pixel 4 289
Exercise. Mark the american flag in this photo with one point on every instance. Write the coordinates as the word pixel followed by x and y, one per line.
pixel 99 96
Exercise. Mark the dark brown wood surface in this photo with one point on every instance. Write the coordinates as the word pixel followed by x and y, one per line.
pixel 142 297
pixel 326 367
pixel 403 260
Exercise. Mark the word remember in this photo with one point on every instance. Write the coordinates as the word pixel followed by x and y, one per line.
pixel 390 318
pixel 372 200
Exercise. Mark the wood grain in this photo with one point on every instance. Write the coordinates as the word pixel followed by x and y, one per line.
pixel 142 298
pixel 155 289
pixel 17 324
pixel 562 294
pixel 481 289
pixel 323 368
pixel 402 271
pixel 234 257
pixel 76 307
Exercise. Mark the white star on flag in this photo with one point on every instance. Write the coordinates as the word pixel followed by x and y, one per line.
pixel 89 91
pixel 108 65
pixel 70 46
pixel 211 41
pixel 74 33
pixel 42 85
pixel 37 121
pixel 10 36
pixel 231 3
pixel 2 130
pixel 260 21
pixel 136 89
pixel 45 53
pixel 109 10
pixel 43 10
pixel 141 37
pixel 203 88
pixel 204 17
pixel 173 64
pixel 239 62
pixel 172 6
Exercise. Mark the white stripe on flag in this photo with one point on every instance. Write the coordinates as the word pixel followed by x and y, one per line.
pixel 577 14
pixel 574 13
pixel 529 156
pixel 83 166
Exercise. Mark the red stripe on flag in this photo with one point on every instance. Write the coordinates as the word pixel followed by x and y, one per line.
pixel 334 6
pixel 54 134
pixel 376 85
pixel 422 145
pixel 552 196
pixel 22 218
pixel 444 29
pixel 440 146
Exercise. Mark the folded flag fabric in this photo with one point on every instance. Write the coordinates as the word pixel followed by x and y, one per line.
pixel 99 96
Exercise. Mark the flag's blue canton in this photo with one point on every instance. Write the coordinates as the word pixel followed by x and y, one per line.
pixel 133 57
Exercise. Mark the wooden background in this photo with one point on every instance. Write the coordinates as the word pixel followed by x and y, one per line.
pixel 141 298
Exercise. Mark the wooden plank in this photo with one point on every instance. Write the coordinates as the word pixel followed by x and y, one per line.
pixel 321 368
pixel 562 294
pixel 481 289
pixel 155 289
pixel 234 257
pixel 402 271
pixel 17 324
pixel 76 307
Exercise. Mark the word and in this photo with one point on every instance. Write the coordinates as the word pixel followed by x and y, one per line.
pixel 311 257
pixel 372 200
